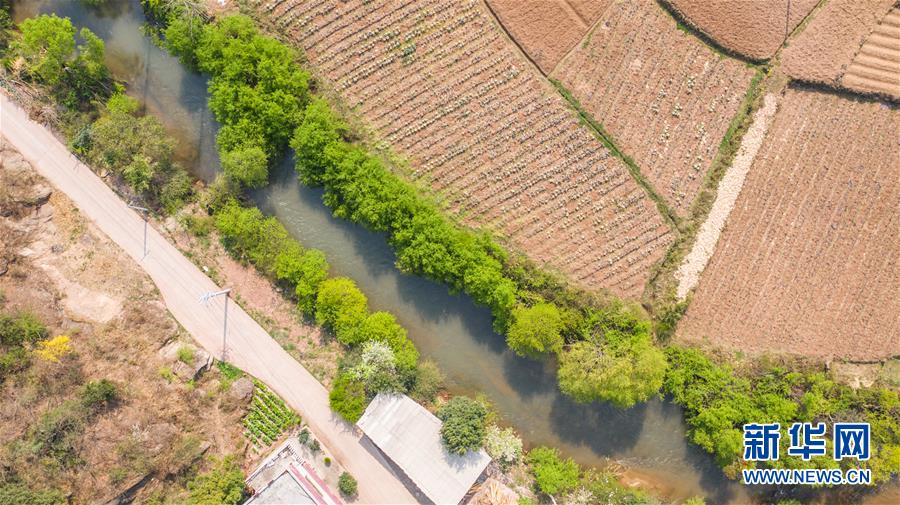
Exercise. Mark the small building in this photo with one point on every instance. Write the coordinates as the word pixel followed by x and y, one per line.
pixel 285 478
pixel 409 435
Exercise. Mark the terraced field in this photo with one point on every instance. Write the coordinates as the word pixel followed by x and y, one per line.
pixel 848 43
pixel 753 29
pixel 444 86
pixel 663 95
pixel 807 263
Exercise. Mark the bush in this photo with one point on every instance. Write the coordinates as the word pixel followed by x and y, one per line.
pixel 17 494
pixel 552 474
pixel 341 307
pixel 98 395
pixel 223 484
pixel 535 330
pixel 24 328
pixel 376 369
pixel 347 485
pixel 503 445
pixel 14 361
pixel 57 433
pixel 463 424
pixel 348 398
pixel 383 327
pixel 247 166
pixel 218 193
pixel 303 436
pixel 176 191
pixel 429 381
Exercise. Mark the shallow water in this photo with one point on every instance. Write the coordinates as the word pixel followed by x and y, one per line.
pixel 648 439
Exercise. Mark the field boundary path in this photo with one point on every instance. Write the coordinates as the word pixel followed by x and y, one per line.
pixel 181 283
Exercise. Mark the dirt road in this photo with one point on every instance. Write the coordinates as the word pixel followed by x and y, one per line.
pixel 181 284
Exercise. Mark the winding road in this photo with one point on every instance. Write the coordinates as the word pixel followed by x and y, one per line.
pixel 181 284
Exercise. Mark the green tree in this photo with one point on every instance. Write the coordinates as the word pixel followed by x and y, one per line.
pixel 47 45
pixel 535 330
pixel 248 166
pixel 341 306
pixel 383 327
pixel 348 397
pixel 624 371
pixel 463 427
pixel 223 484
pixel 377 368
pixel 428 382
pixel 139 173
pixel 552 474
pixel 347 485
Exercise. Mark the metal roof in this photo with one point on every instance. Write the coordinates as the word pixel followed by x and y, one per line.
pixel 410 436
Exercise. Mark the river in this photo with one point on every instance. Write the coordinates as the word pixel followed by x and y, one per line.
pixel 648 439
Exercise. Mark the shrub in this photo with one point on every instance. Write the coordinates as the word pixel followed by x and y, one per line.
pixel 303 436
pixel 315 446
pixel 56 435
pixel 376 369
pixel 348 398
pixel 552 474
pixel 176 191
pixel 383 327
pixel 429 380
pixel 327 461
pixel 53 349
pixel 223 484
pixel 218 193
pixel 463 424
pixel 347 485
pixel 17 494
pixel 341 307
pixel 248 166
pixel 24 328
pixel 502 444
pixel 535 330
pixel 14 361
pixel 97 395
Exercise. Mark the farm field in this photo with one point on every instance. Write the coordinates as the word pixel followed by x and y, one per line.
pixel 808 261
pixel 663 95
pixel 547 29
pixel 849 43
pixel 444 86
pixel 752 29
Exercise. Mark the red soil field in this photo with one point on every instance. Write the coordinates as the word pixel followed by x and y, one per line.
pixel 825 49
pixel 807 263
pixel 665 97
pixel 547 29
pixel 444 86
pixel 755 29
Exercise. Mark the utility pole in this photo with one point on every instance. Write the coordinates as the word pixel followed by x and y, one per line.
pixel 144 213
pixel 205 299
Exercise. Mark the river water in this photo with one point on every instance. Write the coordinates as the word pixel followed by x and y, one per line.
pixel 648 440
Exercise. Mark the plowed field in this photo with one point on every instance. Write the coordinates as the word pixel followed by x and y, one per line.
pixel 547 29
pixel 443 85
pixel 755 29
pixel 876 67
pixel 827 48
pixel 665 97
pixel 807 263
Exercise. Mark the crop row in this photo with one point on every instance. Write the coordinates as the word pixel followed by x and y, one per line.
pixel 268 417
pixel 445 87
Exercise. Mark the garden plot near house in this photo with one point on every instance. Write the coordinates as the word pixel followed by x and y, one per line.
pixel 849 43
pixel 444 86
pixel 753 29
pixel 547 29
pixel 808 261
pixel 663 95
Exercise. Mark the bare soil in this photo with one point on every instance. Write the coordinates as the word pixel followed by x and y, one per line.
pixel 445 88
pixel 664 96
pixel 753 29
pixel 825 49
pixel 807 263
pixel 876 67
pixel 547 29
pixel 81 285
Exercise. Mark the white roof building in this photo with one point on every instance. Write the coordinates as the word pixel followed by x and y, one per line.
pixel 409 435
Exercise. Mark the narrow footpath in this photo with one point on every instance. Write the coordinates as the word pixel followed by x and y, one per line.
pixel 181 284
